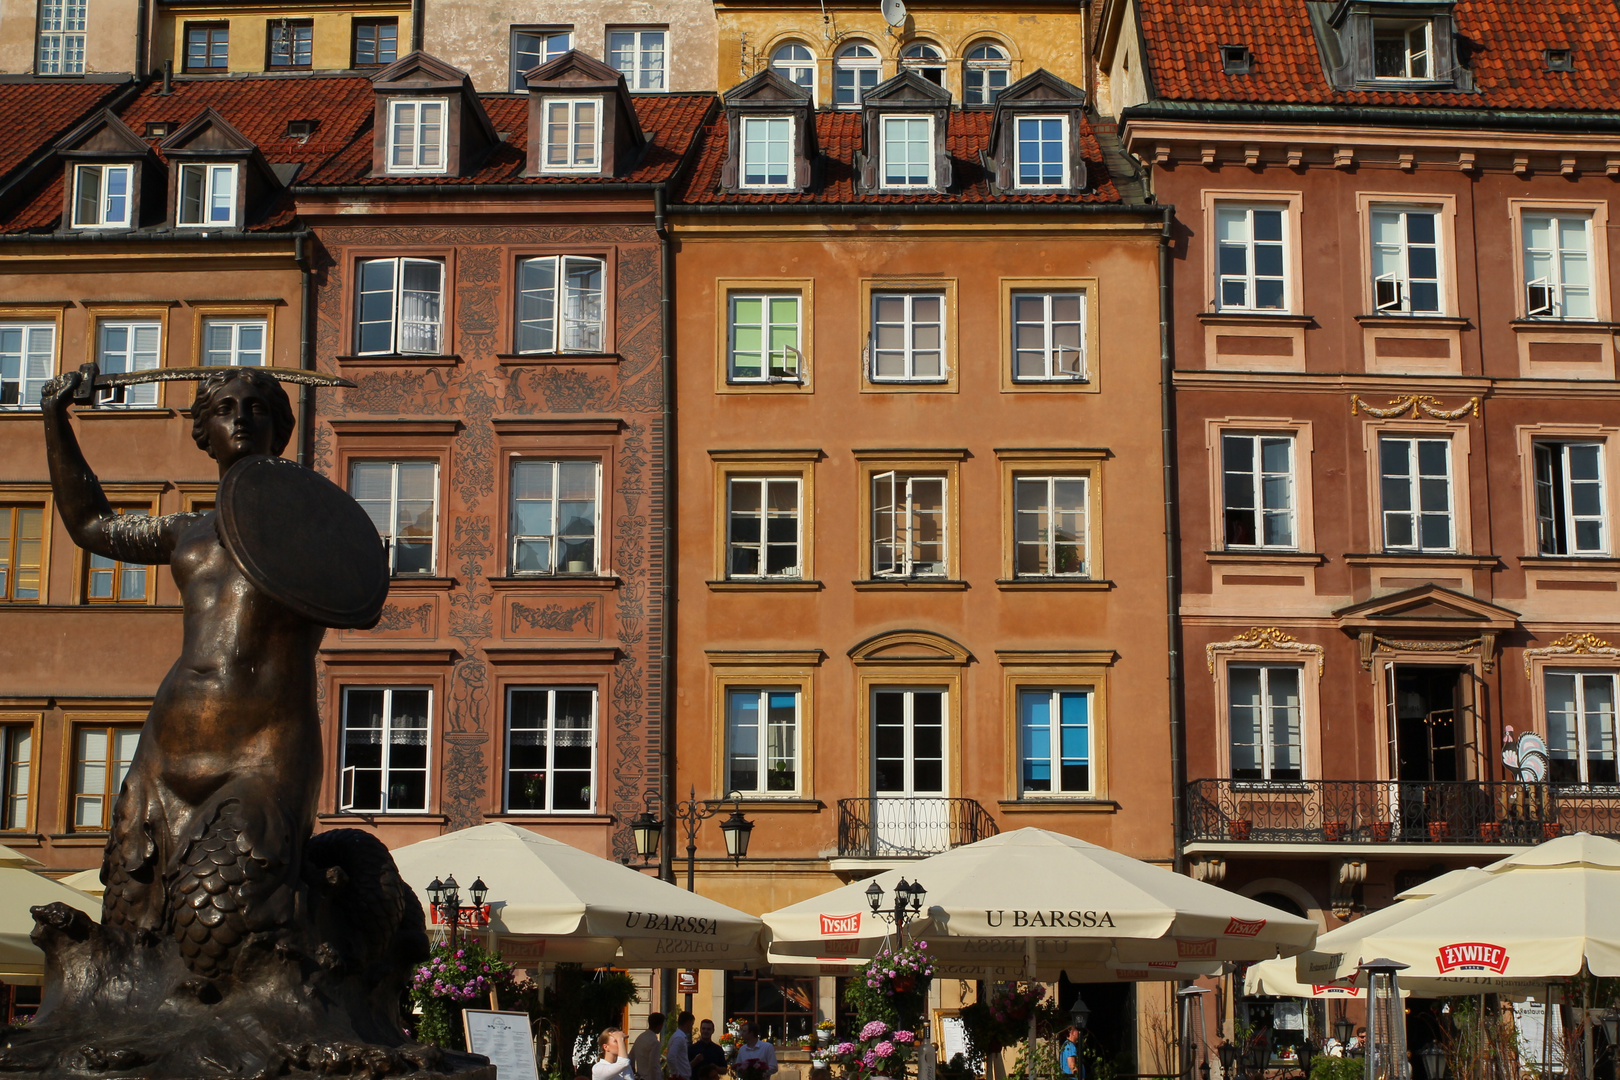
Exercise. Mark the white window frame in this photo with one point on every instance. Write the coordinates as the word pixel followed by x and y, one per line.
pixel 1583 722
pixel 763 758
pixel 416 148
pixel 28 367
pixel 1413 479
pixel 1424 52
pixel 796 69
pixel 1555 499
pixel 399 326
pixel 544 37
pixel 390 537
pixel 926 59
pixel 129 358
pixel 902 543
pixel 1547 296
pixel 61 37
pixel 213 177
pixel 1053 355
pixel 761 547
pixel 1250 279
pixel 17 742
pixel 884 123
pixel 860 65
pixel 346 772
pixel 554 539
pixel 550 736
pixel 770 144
pixel 1018 152
pixel 1397 298
pixel 1258 476
pixel 581 314
pixel 978 73
pixel 909 350
pixel 103 219
pixel 1048 538
pixel 776 365
pixel 1267 729
pixel 1054 758
pixel 640 78
pixel 574 163
pixel 234 353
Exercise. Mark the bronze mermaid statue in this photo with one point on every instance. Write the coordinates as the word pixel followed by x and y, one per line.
pixel 233 942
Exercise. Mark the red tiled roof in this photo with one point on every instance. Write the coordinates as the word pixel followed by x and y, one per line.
pixel 839 136
pixel 1501 40
pixel 38 113
pixel 669 120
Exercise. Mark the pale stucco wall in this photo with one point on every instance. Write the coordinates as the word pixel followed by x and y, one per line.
pixel 109 41
pixel 475 35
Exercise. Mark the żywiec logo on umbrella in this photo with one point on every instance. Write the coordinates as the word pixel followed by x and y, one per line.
pixel 1471 956
pixel 1245 927
pixel 832 925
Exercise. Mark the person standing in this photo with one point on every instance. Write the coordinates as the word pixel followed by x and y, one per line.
pixel 754 1050
pixel 1069 1056
pixel 706 1050
pixel 614 1064
pixel 645 1054
pixel 679 1054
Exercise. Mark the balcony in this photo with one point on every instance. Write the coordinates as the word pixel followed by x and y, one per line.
pixel 902 827
pixel 1396 811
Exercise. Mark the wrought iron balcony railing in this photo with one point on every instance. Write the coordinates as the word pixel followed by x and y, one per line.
pixel 902 826
pixel 1397 811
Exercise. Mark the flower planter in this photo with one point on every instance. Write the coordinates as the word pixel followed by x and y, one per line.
pixel 1551 830
pixel 1490 831
pixel 1381 831
pixel 1239 830
pixel 1439 830
pixel 1335 830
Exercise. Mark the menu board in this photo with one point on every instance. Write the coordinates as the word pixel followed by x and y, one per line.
pixel 504 1038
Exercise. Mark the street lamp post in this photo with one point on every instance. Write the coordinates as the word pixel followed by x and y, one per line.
pixel 445 896
pixel 908 901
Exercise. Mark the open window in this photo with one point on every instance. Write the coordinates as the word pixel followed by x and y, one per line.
pixel 1393 44
pixel 428 120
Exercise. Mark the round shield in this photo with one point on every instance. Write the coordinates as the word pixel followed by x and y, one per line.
pixel 304 541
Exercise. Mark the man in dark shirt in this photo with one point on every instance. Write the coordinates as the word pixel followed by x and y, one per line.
pixel 706 1050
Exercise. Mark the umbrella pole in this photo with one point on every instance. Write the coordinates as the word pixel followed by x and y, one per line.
pixel 1586 1027
pixel 1029 972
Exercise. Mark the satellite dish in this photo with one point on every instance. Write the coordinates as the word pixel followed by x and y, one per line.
pixel 894 12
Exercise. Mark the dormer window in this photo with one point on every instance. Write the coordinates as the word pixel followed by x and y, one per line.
pixel 1043 151
pixel 207 196
pixel 1236 60
pixel 416 136
pixel 1560 60
pixel 908 151
pixel 102 196
pixel 767 152
pixel 1402 49
pixel 573 128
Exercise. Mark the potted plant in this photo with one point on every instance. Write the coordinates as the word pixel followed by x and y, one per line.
pixel 1381 831
pixel 1239 829
pixel 1335 830
pixel 1490 831
pixel 1551 830
pixel 1439 830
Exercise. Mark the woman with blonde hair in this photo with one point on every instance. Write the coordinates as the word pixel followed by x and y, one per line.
pixel 614 1063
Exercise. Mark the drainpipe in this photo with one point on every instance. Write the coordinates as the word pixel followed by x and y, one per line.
pixel 666 644
pixel 416 25
pixel 140 39
pixel 306 344
pixel 1172 546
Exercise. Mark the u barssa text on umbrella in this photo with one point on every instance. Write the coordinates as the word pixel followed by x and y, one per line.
pixel 1049 918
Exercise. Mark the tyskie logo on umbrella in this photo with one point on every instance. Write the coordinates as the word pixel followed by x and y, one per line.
pixel 1245 927
pixel 1471 956
pixel 832 925
pixel 1202 949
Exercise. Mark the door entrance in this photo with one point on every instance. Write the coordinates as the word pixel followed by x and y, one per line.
pixel 910 813
pixel 1431 725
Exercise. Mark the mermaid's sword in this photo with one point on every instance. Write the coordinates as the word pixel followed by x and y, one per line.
pixel 95 380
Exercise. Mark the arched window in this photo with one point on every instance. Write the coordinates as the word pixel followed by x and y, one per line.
pixel 926 60
pixel 797 64
pixel 855 71
pixel 985 74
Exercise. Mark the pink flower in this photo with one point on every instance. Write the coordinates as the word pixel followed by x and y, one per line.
pixel 884 1049
pixel 844 1048
pixel 874 1030
pixel 905 1037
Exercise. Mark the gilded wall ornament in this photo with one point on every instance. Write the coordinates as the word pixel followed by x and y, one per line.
pixel 1416 405
pixel 1573 644
pixel 1268 637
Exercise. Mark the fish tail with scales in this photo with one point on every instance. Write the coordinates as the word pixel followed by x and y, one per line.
pixel 218 872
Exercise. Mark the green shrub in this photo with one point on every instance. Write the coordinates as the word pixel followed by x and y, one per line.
pixel 1335 1068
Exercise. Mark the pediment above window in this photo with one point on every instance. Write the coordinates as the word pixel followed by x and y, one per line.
pixel 910 647
pixel 217 176
pixel 1035 138
pixel 428 120
pixel 110 176
pixel 771 131
pixel 1431 607
pixel 896 114
pixel 103 135
pixel 582 119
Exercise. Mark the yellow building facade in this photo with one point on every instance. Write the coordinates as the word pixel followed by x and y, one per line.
pixel 966 47
pixel 236 39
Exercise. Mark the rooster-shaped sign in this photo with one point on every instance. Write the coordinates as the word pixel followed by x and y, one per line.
pixel 1526 759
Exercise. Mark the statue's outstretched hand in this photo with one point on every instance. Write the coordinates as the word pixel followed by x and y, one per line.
pixel 57 395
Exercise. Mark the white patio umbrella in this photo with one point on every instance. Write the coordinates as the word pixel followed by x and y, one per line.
pixel 1544 914
pixel 21 889
pixel 86 881
pixel 1053 901
pixel 565 904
